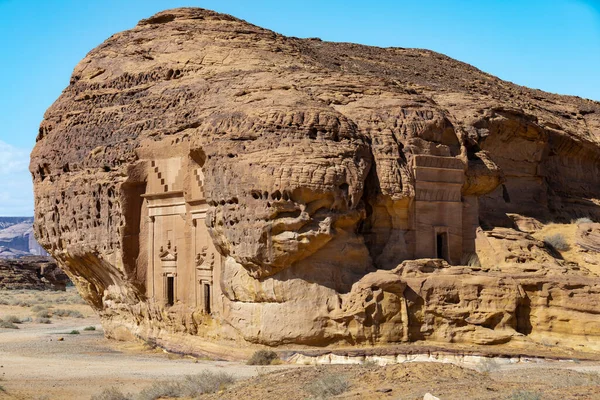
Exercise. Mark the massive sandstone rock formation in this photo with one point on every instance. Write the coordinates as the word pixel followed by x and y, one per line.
pixel 202 178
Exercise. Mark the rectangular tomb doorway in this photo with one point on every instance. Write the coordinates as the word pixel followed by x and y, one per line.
pixel 442 245
pixel 206 298
pixel 170 290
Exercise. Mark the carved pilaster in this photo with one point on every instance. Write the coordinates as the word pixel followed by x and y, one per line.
pixel 150 279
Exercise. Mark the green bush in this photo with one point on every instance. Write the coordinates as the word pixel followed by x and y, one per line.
pixel 74 332
pixel 89 328
pixel 263 357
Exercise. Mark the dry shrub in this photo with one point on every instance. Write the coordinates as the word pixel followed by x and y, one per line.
pixel 582 221
pixel 263 357
pixel 524 395
pixel 43 314
pixel 12 318
pixel 206 382
pixel 67 313
pixel 160 390
pixel 328 385
pixel 8 325
pixel 112 394
pixel 191 386
pixel 557 242
pixel 42 320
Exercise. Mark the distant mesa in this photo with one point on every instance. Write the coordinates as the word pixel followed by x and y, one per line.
pixel 17 238
pixel 206 182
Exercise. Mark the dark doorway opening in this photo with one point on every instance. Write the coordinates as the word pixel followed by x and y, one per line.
pixel 170 290
pixel 207 298
pixel 442 245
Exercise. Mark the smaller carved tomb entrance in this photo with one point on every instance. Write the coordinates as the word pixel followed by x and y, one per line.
pixel 442 245
pixel 438 207
pixel 181 256
pixel 168 264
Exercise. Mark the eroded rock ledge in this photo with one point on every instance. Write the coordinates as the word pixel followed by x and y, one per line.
pixel 204 179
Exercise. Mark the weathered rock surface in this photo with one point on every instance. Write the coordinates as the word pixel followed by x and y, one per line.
pixel 202 178
pixel 32 273
pixel 588 237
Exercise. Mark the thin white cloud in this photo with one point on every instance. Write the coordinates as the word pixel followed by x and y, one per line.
pixel 16 192
pixel 12 159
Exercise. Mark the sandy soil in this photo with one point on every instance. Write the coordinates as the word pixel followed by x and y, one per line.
pixel 36 364
pixel 413 380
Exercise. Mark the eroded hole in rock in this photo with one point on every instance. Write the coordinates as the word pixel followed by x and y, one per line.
pixel 505 194
pixel 43 171
pixel 344 188
pixel 289 214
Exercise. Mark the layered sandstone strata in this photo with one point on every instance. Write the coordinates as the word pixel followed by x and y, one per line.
pixel 202 178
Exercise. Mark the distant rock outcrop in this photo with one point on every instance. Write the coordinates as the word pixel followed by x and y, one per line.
pixel 202 178
pixel 33 273
pixel 17 238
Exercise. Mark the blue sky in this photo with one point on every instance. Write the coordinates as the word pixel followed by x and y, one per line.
pixel 549 45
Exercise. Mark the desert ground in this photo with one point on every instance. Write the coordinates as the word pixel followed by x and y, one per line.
pixel 45 359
